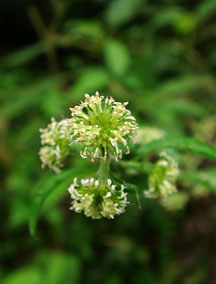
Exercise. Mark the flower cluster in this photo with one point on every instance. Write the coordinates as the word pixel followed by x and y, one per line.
pixel 55 148
pixel 102 127
pixel 147 134
pixel 163 177
pixel 97 198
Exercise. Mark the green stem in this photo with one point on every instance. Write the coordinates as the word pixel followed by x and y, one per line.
pixel 104 168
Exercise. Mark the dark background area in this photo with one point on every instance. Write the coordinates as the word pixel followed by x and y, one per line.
pixel 161 57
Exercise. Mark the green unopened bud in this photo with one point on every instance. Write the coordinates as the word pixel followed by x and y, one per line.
pixel 56 144
pixel 102 127
pixel 162 180
pixel 97 199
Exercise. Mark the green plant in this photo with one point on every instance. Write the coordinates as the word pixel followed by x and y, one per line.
pixel 101 130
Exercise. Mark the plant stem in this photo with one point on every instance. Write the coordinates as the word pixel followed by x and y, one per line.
pixel 104 168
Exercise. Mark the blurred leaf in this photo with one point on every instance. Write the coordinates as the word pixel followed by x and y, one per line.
pixel 117 57
pixel 84 28
pixel 25 97
pixel 121 11
pixel 206 9
pixel 178 143
pixel 59 267
pixel 28 274
pixel 205 178
pixel 166 16
pixel 53 102
pixel 45 191
pixel 91 80
pixel 23 55
pixel 181 20
pixel 186 23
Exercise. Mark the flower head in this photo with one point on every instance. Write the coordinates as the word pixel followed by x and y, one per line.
pixel 102 126
pixel 97 199
pixel 55 142
pixel 163 177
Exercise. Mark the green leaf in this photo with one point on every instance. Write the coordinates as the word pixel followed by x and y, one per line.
pixel 24 55
pixel 60 267
pixel 26 97
pixel 129 187
pixel 28 274
pixel 206 9
pixel 44 192
pixel 91 80
pixel 178 143
pixel 121 11
pixel 205 178
pixel 117 57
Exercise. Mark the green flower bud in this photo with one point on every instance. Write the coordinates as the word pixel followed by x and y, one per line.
pixel 162 180
pixel 102 127
pixel 56 148
pixel 97 198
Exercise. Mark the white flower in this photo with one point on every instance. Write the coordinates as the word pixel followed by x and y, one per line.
pixel 97 199
pixel 163 177
pixel 102 127
pixel 56 146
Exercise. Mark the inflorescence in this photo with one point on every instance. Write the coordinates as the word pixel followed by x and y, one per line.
pixel 162 180
pixel 97 198
pixel 55 145
pixel 101 128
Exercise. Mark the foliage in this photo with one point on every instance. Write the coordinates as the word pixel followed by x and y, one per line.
pixel 160 57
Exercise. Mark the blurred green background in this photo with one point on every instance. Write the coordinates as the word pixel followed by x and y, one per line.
pixel 161 57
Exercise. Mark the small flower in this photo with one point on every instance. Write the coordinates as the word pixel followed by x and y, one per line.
pixel 56 148
pixel 51 157
pixel 147 134
pixel 163 177
pixel 97 199
pixel 102 126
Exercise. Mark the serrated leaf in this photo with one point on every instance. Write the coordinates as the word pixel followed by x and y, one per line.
pixel 178 143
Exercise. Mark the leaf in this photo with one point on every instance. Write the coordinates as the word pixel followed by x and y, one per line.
pixel 205 178
pixel 121 11
pixel 45 192
pixel 206 9
pixel 60 267
pixel 21 99
pixel 27 274
pixel 91 80
pixel 178 143
pixel 24 55
pixel 117 57
pixel 129 187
